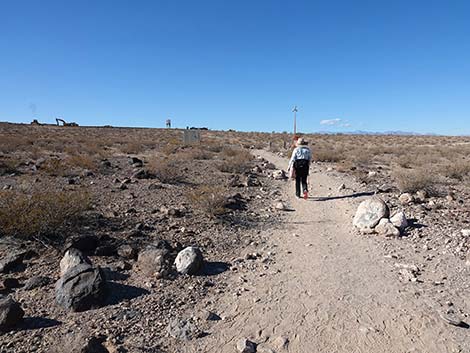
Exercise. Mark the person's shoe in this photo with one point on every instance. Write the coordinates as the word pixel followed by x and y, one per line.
pixel 305 195
pixel 298 196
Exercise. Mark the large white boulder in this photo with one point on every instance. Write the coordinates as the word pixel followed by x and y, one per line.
pixel 369 213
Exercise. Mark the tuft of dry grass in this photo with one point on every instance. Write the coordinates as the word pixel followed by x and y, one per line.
pixel 40 214
pixel 165 170
pixel 70 165
pixel 412 180
pixel 209 200
pixel 235 160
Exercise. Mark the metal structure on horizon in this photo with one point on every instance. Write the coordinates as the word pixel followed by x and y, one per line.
pixel 295 110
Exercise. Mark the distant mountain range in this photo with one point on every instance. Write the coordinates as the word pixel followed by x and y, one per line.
pixel 362 132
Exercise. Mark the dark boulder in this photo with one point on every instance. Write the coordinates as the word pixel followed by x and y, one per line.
pixel 81 288
pixel 10 313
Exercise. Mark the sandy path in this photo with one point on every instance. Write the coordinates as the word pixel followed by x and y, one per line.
pixel 329 290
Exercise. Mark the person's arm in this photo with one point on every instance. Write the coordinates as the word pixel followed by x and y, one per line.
pixel 292 159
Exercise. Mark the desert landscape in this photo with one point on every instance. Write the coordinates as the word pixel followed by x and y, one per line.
pixel 129 240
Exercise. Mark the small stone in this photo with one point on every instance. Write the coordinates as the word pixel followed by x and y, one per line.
pixel 183 330
pixel 281 343
pixel 246 346
pixel 421 195
pixel 406 198
pixel 127 252
pixel 211 316
pixel 399 220
pixel 387 229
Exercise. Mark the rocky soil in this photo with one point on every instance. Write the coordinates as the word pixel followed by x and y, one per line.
pixel 128 284
pixel 152 267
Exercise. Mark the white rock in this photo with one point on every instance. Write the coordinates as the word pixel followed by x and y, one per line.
pixel 369 213
pixel 465 232
pixel 72 258
pixel 421 195
pixel 386 228
pixel 399 220
pixel 406 198
pixel 279 175
pixel 189 261
pixel 280 206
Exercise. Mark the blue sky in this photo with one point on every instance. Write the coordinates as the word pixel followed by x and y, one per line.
pixel 372 65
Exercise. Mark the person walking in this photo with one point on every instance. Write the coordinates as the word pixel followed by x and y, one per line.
pixel 299 166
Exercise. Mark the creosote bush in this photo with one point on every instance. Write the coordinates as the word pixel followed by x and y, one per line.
pixel 235 160
pixel 412 180
pixel 40 214
pixel 165 170
pixel 209 200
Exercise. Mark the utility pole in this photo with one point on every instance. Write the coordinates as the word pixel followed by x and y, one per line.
pixel 295 110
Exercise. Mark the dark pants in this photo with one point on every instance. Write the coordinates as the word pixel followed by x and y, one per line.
pixel 301 174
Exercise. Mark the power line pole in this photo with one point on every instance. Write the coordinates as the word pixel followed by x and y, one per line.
pixel 295 110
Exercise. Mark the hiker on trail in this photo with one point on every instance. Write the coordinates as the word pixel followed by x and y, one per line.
pixel 299 166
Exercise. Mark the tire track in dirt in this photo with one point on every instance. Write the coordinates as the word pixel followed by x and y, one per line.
pixel 328 290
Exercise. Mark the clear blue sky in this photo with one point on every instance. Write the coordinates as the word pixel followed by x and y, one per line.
pixel 372 65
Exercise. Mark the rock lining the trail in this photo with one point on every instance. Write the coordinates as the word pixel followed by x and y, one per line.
pixel 369 213
pixel 372 217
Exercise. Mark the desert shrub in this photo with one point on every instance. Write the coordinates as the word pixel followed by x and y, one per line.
pixel 235 160
pixel 14 143
pixel 457 170
pixel 41 214
pixel 69 165
pixel 327 155
pixel 165 170
pixel 132 147
pixel 81 161
pixel 192 154
pixel 8 166
pixel 209 200
pixel 412 180
pixel 171 146
pixel 406 161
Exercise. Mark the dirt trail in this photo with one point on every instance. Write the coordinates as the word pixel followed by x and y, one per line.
pixel 329 290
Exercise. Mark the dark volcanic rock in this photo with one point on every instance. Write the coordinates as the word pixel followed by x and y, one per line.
pixel 106 250
pixel 154 262
pixel 81 288
pixel 36 282
pixel 10 313
pixel 10 261
pixel 11 283
pixel 84 243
